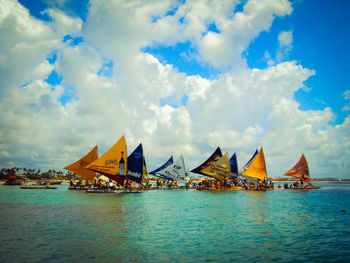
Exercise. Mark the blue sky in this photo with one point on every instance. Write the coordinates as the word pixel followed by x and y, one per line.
pixel 176 67
pixel 320 42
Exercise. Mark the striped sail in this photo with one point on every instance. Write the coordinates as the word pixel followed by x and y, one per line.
pixel 79 167
pixel 300 170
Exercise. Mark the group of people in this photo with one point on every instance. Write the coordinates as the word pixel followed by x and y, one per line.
pixel 234 184
pixel 98 184
pixel 295 185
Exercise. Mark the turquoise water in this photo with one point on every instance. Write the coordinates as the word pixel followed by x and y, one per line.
pixel 175 225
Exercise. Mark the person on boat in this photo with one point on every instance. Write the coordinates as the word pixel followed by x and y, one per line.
pixel 87 184
pixel 285 186
pixel 217 185
pixel 98 185
pixel 72 185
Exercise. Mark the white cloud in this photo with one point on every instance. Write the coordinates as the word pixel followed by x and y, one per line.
pixel 346 96
pixel 239 110
pixel 285 38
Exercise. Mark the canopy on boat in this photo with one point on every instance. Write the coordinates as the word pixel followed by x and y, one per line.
pixel 11 175
pixel 300 170
pixel 135 165
pixel 167 163
pixel 79 167
pixel 220 169
pixel 175 171
pixel 234 165
pixel 257 168
pixel 212 159
pixel 112 163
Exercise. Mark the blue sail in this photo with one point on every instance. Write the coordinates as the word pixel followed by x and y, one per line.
pixel 234 165
pixel 154 172
pixel 135 165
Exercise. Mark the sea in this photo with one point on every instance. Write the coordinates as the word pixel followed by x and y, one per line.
pixel 175 225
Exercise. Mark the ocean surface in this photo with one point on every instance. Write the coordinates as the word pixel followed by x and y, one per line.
pixel 175 225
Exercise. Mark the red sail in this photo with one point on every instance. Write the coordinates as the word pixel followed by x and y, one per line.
pixel 300 170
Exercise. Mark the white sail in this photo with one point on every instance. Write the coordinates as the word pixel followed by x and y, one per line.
pixel 175 171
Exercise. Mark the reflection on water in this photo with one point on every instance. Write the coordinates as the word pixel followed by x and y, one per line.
pixel 165 225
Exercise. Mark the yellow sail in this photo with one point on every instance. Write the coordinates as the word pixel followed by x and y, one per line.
pixel 113 162
pixel 257 169
pixel 219 169
pixel 79 167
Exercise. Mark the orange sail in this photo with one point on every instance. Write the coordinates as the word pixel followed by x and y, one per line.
pixel 79 167
pixel 113 163
pixel 300 170
pixel 257 169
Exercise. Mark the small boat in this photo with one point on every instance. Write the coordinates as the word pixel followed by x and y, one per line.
pixel 131 192
pixel 38 187
pixel 301 171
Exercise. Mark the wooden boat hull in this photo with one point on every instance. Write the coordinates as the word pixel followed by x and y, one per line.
pixel 102 192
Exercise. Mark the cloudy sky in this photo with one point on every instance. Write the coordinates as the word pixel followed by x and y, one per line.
pixel 178 76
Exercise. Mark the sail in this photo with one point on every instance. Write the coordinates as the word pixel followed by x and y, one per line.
pixel 213 158
pixel 220 169
pixel 135 165
pixel 170 161
pixel 300 170
pixel 79 167
pixel 234 165
pixel 250 160
pixel 112 163
pixel 257 168
pixel 175 171
pixel 144 170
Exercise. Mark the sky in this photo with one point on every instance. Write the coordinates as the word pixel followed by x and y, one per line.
pixel 181 77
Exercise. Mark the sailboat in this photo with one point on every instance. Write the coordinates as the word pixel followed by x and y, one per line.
pixel 257 169
pixel 175 171
pixel 217 166
pixel 301 171
pixel 79 167
pixel 113 163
